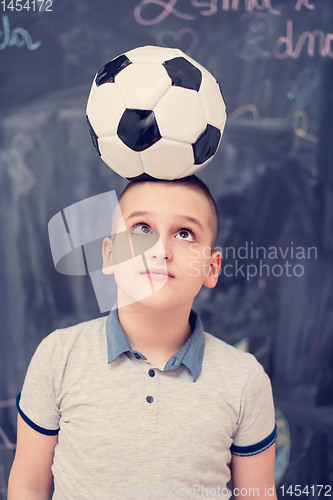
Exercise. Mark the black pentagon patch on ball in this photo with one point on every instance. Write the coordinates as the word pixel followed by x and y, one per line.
pixel 183 73
pixel 142 177
pixel 206 144
pixel 138 129
pixel 111 69
pixel 93 136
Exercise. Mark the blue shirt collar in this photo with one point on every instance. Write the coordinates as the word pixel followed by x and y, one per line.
pixel 190 355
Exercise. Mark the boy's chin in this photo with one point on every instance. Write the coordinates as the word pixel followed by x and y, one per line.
pixel 156 300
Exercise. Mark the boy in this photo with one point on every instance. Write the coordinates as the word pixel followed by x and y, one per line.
pixel 144 403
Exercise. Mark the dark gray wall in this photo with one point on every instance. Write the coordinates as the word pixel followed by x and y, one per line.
pixel 272 180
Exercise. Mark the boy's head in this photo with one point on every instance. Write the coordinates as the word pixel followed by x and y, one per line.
pixel 175 225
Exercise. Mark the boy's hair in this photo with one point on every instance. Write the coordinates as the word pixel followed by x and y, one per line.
pixel 192 182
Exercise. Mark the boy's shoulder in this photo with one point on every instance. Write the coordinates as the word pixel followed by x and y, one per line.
pixel 81 337
pixel 215 344
pixel 223 357
pixel 95 324
pixel 89 327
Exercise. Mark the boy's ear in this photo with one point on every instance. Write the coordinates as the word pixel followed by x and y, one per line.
pixel 107 256
pixel 215 266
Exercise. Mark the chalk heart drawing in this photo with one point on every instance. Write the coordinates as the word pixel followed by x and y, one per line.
pixel 186 39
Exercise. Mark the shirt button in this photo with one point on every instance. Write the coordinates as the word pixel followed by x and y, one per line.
pixel 149 399
pixel 137 355
pixel 151 373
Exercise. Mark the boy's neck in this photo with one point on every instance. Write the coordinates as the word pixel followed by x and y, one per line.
pixel 155 333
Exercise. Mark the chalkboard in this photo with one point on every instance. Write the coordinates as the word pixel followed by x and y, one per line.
pixel 272 180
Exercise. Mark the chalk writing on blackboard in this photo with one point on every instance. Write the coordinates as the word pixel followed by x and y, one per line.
pixel 244 110
pixel 187 39
pixel 147 17
pixel 208 8
pixel 300 123
pixel 287 46
pixel 312 43
pixel 304 3
pixel 16 37
pixel 256 43
pixel 167 9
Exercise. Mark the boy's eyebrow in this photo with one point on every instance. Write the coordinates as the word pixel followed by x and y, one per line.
pixel 144 213
pixel 193 220
pixel 138 213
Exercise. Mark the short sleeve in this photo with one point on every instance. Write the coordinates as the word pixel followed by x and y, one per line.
pixel 37 401
pixel 256 430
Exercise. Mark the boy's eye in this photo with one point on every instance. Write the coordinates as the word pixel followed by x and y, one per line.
pixel 141 229
pixel 186 234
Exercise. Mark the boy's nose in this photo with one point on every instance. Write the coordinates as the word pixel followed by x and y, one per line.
pixel 160 251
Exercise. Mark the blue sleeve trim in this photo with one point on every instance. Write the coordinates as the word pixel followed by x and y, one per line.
pixel 34 426
pixel 254 449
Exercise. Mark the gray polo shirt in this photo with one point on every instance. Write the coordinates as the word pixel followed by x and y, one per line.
pixel 130 429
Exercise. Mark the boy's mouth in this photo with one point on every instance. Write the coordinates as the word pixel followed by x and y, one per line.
pixel 159 274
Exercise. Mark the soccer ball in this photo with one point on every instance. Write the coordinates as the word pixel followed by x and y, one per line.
pixel 155 112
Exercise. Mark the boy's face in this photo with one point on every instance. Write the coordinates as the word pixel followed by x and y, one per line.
pixel 170 272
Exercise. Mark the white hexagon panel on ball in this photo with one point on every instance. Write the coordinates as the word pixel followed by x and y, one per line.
pixel 104 109
pixel 180 116
pixel 142 85
pixel 167 159
pixel 119 157
pixel 212 104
